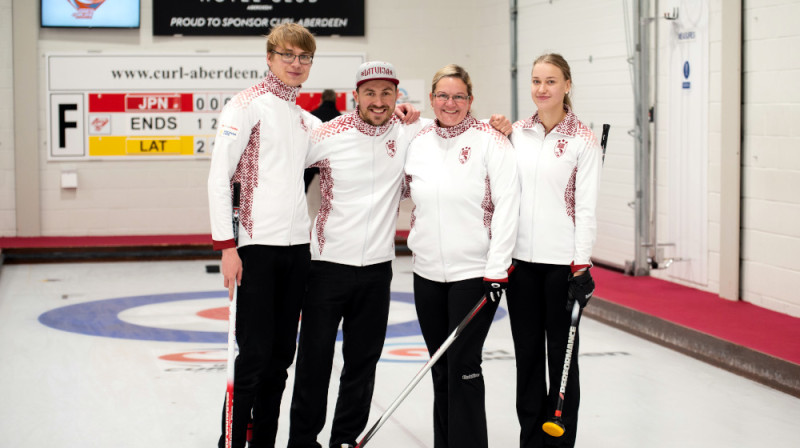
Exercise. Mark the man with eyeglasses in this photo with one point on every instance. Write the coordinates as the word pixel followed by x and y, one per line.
pixel 261 143
pixel 361 157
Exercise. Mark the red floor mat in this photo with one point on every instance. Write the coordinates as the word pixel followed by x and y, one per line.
pixel 741 323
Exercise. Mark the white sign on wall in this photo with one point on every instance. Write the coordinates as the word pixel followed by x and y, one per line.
pixel 159 105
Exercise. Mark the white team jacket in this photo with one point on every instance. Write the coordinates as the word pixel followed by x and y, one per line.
pixel 261 142
pixel 361 172
pixel 560 177
pixel 463 181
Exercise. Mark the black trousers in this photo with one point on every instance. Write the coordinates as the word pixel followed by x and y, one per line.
pixel 359 298
pixel 308 176
pixel 267 313
pixel 537 307
pixel 459 402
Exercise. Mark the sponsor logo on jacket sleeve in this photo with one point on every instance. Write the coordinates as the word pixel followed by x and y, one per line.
pixel 228 131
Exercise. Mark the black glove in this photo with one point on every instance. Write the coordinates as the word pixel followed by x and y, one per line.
pixel 494 288
pixel 580 288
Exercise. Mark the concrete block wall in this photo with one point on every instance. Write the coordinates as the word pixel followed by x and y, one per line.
pixel 591 36
pixel 168 197
pixel 770 160
pixel 419 36
pixel 8 224
pixel 715 129
pixel 771 155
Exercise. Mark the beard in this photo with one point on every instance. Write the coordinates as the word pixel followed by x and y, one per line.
pixel 366 116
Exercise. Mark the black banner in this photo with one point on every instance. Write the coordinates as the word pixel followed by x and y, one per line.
pixel 256 17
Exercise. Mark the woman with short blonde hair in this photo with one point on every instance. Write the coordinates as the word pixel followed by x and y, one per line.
pixel 462 177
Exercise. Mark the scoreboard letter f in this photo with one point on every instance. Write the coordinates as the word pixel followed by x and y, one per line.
pixel 63 124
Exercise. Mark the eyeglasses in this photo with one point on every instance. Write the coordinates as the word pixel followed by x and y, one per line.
pixel 443 97
pixel 289 58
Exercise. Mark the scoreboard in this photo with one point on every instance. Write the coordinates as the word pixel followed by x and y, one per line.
pixel 135 124
pixel 161 106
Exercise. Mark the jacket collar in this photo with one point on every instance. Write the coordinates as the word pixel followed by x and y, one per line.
pixel 455 131
pixel 278 88
pixel 370 130
pixel 568 126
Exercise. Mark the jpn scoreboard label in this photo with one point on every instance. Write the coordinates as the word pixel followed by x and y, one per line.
pixel 158 106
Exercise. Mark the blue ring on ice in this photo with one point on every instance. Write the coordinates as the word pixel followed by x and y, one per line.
pixel 101 318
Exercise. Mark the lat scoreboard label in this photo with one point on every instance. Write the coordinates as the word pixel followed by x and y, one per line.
pixel 158 106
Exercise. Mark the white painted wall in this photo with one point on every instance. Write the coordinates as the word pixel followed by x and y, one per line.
pixel 770 165
pixel 168 197
pixel 771 155
pixel 8 224
pixel 591 35
pixel 770 159
pixel 420 36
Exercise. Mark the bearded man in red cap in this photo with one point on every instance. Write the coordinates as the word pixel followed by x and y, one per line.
pixel 360 156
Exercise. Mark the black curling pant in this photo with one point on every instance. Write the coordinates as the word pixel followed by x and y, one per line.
pixel 537 307
pixel 459 402
pixel 268 309
pixel 357 296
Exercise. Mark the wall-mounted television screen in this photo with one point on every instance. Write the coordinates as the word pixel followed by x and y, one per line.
pixel 90 13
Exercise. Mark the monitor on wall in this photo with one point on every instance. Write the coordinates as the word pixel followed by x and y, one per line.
pixel 90 13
